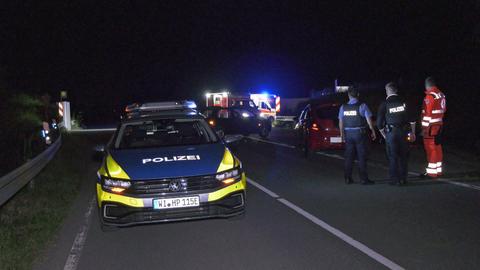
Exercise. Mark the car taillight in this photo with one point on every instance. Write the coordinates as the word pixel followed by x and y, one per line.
pixel 315 127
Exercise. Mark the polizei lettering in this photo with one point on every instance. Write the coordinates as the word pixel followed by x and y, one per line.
pixel 397 109
pixel 350 113
pixel 170 159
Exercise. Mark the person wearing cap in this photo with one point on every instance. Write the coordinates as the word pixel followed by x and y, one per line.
pixel 433 111
pixel 355 118
pixel 392 121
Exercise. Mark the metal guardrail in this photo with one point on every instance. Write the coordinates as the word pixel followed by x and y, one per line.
pixel 11 183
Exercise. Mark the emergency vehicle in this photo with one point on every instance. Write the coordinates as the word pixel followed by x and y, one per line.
pixel 165 163
pixel 267 104
pixel 227 99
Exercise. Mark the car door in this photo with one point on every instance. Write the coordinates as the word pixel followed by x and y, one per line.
pixel 302 124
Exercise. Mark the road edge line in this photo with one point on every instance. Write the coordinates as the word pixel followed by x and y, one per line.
pixel 339 234
pixel 76 251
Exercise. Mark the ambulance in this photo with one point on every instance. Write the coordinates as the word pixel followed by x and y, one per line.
pixel 268 105
pixel 226 100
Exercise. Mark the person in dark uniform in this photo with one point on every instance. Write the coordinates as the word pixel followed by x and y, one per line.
pixel 392 121
pixel 354 120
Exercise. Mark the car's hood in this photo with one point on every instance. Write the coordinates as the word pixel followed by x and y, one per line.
pixel 166 162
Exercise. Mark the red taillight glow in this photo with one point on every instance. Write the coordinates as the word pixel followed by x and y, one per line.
pixel 315 127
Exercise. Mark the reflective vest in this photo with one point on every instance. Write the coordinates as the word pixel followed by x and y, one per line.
pixel 396 111
pixel 352 117
pixel 434 107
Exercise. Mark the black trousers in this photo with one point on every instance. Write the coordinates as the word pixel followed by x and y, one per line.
pixel 397 153
pixel 356 144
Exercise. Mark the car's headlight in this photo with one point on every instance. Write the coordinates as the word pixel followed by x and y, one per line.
pixel 230 176
pixel 116 185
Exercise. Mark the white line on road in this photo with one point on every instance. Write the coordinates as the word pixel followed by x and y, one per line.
pixel 275 143
pixel 262 188
pixel 460 184
pixel 77 247
pixel 349 240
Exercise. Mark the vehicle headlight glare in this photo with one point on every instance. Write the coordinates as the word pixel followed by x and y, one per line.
pixel 235 174
pixel 116 183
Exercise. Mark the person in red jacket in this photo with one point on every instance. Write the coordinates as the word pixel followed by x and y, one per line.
pixel 434 108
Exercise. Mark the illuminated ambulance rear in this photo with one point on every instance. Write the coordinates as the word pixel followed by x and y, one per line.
pixel 268 105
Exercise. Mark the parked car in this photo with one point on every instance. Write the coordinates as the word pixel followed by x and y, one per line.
pixel 317 127
pixel 165 163
pixel 237 120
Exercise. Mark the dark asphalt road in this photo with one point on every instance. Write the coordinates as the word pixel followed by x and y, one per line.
pixel 421 226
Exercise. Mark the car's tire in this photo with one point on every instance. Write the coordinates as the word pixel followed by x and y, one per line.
pixel 264 132
pixel 306 150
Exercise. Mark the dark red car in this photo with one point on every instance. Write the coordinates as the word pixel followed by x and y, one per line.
pixel 317 127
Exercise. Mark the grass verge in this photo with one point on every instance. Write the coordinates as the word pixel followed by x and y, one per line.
pixel 32 217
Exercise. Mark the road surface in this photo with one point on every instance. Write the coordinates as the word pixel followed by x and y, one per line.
pixel 300 215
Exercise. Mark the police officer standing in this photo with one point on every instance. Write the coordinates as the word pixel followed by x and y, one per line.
pixel 392 121
pixel 354 119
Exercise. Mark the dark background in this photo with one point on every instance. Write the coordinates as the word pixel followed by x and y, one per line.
pixel 108 54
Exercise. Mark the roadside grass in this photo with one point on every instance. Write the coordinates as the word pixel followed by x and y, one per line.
pixel 31 218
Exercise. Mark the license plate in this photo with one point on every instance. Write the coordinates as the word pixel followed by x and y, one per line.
pixel 335 139
pixel 181 202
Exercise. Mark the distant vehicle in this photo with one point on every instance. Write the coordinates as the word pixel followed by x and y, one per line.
pixel 165 163
pixel 317 127
pixel 268 105
pixel 227 100
pixel 237 120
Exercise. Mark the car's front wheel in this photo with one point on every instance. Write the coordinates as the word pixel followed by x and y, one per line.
pixel 264 131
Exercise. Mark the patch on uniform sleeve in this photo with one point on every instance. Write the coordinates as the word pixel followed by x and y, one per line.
pixel 427 101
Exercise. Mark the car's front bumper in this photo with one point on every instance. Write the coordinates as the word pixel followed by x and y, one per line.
pixel 121 210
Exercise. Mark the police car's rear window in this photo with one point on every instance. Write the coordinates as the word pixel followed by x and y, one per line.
pixel 164 132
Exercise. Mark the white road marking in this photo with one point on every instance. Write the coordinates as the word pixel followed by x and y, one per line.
pixel 262 188
pixel 330 155
pixel 460 184
pixel 275 143
pixel 79 242
pixel 349 240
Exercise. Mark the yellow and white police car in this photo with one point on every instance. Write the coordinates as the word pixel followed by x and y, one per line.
pixel 165 163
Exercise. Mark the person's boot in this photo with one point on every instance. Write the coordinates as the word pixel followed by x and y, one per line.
pixel 348 180
pixel 368 182
pixel 426 176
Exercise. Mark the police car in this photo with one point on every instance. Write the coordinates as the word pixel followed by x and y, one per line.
pixel 165 163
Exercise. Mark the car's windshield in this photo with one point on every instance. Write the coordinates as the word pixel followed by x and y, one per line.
pixel 164 132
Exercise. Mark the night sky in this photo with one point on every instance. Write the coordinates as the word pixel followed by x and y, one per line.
pixel 116 52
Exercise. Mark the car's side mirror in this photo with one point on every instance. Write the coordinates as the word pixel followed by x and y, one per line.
pixel 232 138
pixel 99 148
pixel 220 133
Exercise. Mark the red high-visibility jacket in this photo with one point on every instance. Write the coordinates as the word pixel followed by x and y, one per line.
pixel 434 108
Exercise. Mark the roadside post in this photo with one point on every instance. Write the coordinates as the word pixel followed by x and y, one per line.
pixel 64 113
